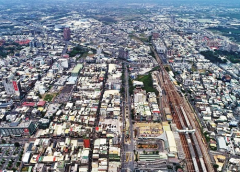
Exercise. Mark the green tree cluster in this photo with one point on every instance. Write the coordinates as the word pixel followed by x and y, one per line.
pixel 131 88
pixel 82 51
pixel 232 56
pixel 213 57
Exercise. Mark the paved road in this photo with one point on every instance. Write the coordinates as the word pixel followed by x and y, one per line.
pixel 65 48
pixel 129 146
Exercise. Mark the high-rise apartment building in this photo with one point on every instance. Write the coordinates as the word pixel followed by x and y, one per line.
pixel 67 34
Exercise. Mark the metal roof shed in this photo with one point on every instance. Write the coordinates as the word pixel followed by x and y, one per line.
pixel 221 143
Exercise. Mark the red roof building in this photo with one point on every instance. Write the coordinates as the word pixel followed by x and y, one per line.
pixel 23 42
pixel 66 56
pixel 41 103
pixel 86 143
pixel 28 104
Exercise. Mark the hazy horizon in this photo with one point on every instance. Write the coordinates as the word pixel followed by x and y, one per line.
pixel 127 1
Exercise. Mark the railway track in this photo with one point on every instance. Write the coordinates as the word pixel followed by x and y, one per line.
pixel 184 118
pixel 173 101
pixel 182 122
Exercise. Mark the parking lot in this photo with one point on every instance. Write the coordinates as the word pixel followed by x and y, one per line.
pixel 65 94
pixel 10 156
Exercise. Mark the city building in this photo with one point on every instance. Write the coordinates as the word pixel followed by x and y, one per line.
pixel 67 34
pixel 123 53
pixel 12 87
pixel 18 129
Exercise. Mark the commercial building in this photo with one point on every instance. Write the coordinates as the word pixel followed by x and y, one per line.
pixel 16 128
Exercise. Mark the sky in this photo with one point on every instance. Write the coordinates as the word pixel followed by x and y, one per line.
pixel 176 2
pixel 138 1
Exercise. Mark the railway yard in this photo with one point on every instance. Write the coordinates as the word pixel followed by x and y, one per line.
pixel 191 137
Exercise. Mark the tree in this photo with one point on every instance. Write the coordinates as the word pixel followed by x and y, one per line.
pixel 215 166
pixel 3 141
pixel 16 144
pixel 39 95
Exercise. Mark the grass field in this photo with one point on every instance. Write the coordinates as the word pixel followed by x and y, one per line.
pixel 147 81
pixel 49 97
